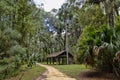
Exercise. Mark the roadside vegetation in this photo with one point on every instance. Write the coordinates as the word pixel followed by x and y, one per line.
pixel 29 73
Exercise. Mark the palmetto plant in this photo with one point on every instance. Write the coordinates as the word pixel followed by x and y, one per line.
pixel 100 47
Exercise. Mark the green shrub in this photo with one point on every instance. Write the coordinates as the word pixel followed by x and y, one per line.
pixel 8 71
pixel 103 40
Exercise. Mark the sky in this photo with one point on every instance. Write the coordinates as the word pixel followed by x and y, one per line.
pixel 50 4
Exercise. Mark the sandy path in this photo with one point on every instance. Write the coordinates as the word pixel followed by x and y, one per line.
pixel 53 74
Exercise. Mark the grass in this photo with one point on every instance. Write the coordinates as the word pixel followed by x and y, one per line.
pixel 29 74
pixel 33 73
pixel 71 70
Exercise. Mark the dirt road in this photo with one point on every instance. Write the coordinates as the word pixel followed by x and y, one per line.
pixel 53 74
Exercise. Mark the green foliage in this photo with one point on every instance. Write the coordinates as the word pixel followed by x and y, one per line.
pixel 8 71
pixel 24 39
pixel 19 25
pixel 104 40
pixel 13 34
pixel 28 73
pixel 91 16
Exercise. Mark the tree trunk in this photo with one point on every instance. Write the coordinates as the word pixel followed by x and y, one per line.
pixel 111 15
pixel 67 44
pixel 109 12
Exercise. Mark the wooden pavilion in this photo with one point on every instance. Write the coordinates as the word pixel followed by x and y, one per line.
pixel 59 58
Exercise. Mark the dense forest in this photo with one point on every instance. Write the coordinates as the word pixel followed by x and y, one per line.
pixel 28 34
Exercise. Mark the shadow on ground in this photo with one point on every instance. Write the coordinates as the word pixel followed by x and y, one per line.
pixel 96 75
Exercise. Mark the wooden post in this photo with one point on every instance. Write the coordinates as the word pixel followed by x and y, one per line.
pixel 59 61
pixel 47 60
pixel 53 60
pixel 62 60
pixel 50 60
